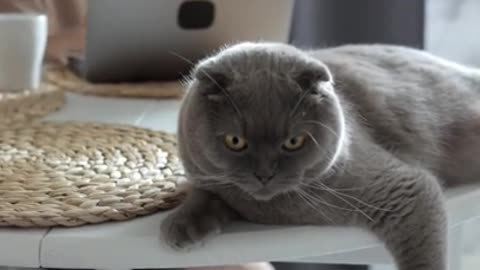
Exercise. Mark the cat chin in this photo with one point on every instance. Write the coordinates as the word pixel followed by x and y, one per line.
pixel 263 195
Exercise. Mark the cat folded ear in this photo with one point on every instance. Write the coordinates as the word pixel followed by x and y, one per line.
pixel 213 82
pixel 310 73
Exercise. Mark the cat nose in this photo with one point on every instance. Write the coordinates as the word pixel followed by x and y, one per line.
pixel 264 178
pixel 266 170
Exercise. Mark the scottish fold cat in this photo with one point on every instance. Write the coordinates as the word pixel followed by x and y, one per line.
pixel 357 135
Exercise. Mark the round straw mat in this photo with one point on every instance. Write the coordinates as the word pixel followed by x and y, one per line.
pixel 71 174
pixel 19 108
pixel 62 77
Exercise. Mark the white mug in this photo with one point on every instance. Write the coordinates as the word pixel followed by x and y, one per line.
pixel 23 40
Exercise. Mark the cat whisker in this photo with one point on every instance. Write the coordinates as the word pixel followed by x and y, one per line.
pixel 313 206
pixel 321 201
pixel 339 196
pixel 322 125
pixel 289 198
pixel 313 139
pixel 329 156
pixel 344 195
pixel 224 91
pixel 362 202
pixel 370 185
pixel 299 102
pixel 357 188
pixel 324 149
pixel 348 189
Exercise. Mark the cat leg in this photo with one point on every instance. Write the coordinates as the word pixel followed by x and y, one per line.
pixel 411 219
pixel 201 215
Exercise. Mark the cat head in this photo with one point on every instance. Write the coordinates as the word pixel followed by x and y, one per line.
pixel 261 116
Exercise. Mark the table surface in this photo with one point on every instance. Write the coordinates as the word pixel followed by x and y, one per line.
pixel 138 244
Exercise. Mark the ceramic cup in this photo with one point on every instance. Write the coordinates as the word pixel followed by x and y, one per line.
pixel 23 39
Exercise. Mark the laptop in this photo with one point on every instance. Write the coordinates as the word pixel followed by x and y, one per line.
pixel 156 40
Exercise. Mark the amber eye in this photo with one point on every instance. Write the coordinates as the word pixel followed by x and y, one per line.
pixel 294 143
pixel 235 143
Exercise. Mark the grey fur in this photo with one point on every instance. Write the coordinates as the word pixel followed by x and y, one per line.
pixel 387 127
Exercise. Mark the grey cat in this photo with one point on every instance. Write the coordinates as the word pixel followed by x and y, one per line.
pixel 357 135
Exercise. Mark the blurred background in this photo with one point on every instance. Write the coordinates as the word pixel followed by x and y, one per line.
pixel 444 27
pixel 447 28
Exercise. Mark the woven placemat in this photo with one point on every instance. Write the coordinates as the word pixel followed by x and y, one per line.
pixel 62 77
pixel 70 174
pixel 23 107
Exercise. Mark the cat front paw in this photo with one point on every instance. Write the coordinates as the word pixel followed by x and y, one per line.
pixel 183 232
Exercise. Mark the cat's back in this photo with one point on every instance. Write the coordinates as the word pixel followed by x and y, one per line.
pixel 410 99
pixel 397 69
pixel 391 57
pixel 402 83
pixel 389 78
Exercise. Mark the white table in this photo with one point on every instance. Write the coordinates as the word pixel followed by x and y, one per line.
pixel 138 244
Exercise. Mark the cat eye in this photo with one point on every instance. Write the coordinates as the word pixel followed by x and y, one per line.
pixel 294 143
pixel 235 143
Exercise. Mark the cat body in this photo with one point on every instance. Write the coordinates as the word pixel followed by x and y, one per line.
pixel 358 135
